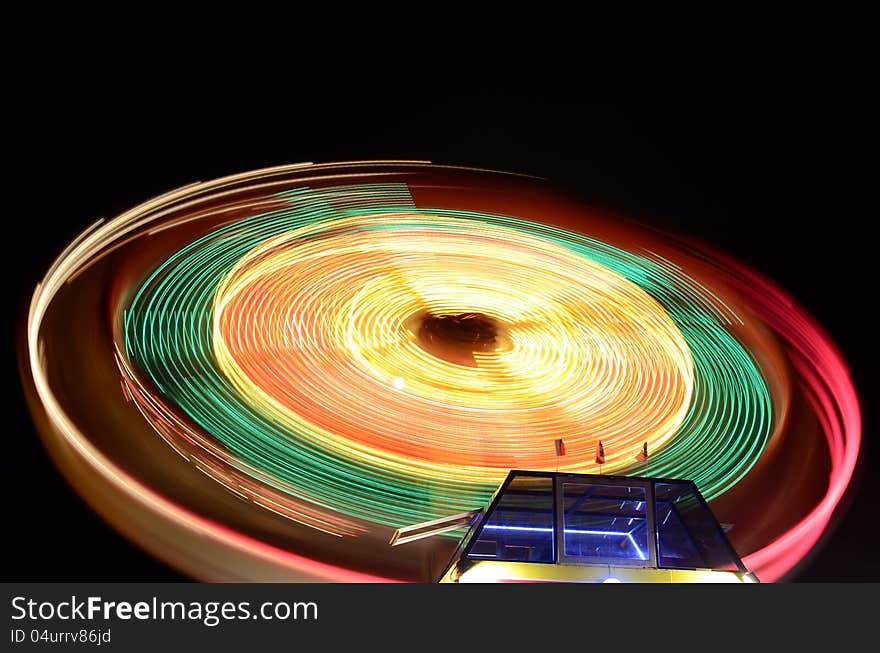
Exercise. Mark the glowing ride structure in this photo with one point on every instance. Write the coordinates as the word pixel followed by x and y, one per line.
pixel 582 528
pixel 335 351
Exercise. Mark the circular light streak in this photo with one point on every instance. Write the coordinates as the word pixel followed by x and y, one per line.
pixel 282 353
pixel 281 336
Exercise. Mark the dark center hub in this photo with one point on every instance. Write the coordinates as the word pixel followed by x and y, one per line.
pixel 456 338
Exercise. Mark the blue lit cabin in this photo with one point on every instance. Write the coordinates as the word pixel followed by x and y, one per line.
pixel 560 527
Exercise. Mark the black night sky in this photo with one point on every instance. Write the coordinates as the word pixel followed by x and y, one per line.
pixel 765 147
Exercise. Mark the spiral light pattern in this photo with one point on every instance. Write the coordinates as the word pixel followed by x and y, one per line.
pixel 342 349
pixel 287 338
